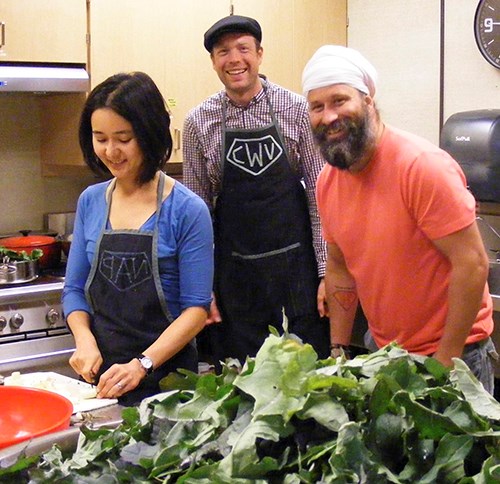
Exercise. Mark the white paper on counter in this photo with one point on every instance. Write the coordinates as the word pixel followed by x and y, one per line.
pixel 81 394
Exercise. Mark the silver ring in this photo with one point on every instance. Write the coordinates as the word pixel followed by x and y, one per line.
pixel 119 385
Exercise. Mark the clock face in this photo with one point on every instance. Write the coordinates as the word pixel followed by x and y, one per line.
pixel 487 30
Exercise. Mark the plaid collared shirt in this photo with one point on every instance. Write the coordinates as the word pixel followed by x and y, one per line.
pixel 202 140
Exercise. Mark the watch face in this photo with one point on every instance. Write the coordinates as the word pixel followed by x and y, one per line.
pixel 487 30
pixel 146 363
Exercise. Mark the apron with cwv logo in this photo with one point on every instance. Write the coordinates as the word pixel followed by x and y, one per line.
pixel 265 259
pixel 129 306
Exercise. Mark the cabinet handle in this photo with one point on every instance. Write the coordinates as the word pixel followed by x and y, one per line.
pixel 177 139
pixel 2 34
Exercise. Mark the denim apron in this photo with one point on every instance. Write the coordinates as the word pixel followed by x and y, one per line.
pixel 264 256
pixel 129 306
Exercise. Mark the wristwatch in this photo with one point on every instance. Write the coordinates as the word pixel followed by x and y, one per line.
pixel 147 363
pixel 337 350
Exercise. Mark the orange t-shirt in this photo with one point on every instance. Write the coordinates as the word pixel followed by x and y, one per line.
pixel 384 220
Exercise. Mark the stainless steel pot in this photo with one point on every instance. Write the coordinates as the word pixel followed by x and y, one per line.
pixel 16 272
pixel 50 247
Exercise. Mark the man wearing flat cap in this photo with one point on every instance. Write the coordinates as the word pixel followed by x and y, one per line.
pixel 399 223
pixel 249 153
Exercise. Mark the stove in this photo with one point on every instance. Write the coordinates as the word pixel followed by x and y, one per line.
pixel 33 332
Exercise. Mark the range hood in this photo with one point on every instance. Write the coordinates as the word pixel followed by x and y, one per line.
pixel 41 77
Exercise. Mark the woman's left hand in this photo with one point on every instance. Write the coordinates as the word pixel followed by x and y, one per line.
pixel 120 379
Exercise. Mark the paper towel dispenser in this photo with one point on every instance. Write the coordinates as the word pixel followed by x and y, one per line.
pixel 473 139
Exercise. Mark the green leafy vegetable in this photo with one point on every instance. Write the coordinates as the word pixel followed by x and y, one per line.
pixel 20 255
pixel 287 417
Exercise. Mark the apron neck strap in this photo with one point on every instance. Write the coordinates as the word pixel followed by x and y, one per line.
pixel 159 197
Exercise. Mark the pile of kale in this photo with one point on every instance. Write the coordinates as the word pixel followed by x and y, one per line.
pixel 287 417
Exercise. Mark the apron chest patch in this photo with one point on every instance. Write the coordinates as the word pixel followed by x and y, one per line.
pixel 254 155
pixel 125 270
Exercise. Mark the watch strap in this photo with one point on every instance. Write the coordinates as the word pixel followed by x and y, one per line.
pixel 144 360
pixel 337 349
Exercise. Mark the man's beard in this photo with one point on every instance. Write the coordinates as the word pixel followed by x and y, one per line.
pixel 349 150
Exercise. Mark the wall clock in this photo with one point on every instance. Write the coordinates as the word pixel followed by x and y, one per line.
pixel 487 30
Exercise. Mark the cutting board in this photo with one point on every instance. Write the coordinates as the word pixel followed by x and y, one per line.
pixel 81 394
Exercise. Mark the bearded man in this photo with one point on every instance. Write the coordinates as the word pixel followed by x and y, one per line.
pixel 399 223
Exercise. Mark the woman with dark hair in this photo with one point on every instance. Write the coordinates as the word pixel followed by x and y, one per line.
pixel 139 274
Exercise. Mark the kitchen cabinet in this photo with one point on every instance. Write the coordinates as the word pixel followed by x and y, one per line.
pixel 43 30
pixel 59 147
pixel 165 40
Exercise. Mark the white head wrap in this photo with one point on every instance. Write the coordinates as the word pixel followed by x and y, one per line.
pixel 335 64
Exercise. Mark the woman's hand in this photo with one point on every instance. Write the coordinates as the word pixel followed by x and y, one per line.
pixel 86 360
pixel 120 379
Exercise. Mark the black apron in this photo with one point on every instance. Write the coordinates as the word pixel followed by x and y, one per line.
pixel 129 306
pixel 264 256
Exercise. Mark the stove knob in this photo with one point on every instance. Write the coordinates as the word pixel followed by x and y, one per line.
pixel 52 316
pixel 3 322
pixel 16 321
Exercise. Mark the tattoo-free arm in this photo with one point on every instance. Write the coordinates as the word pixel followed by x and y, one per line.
pixel 469 271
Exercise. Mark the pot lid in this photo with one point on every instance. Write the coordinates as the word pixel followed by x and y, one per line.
pixel 51 233
pixel 27 241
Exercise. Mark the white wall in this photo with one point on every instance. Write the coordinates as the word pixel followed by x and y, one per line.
pixel 402 40
pixel 469 82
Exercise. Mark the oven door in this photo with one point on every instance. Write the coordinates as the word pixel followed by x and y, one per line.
pixel 49 353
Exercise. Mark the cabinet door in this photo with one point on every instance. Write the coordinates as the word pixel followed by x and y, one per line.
pixel 292 30
pixel 59 148
pixel 44 30
pixel 127 35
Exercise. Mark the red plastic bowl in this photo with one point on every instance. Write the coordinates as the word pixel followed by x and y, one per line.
pixel 28 412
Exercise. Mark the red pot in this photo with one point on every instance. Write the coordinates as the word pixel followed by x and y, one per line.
pixel 49 245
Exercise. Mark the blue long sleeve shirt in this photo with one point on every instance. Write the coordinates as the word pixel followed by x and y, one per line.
pixel 185 248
